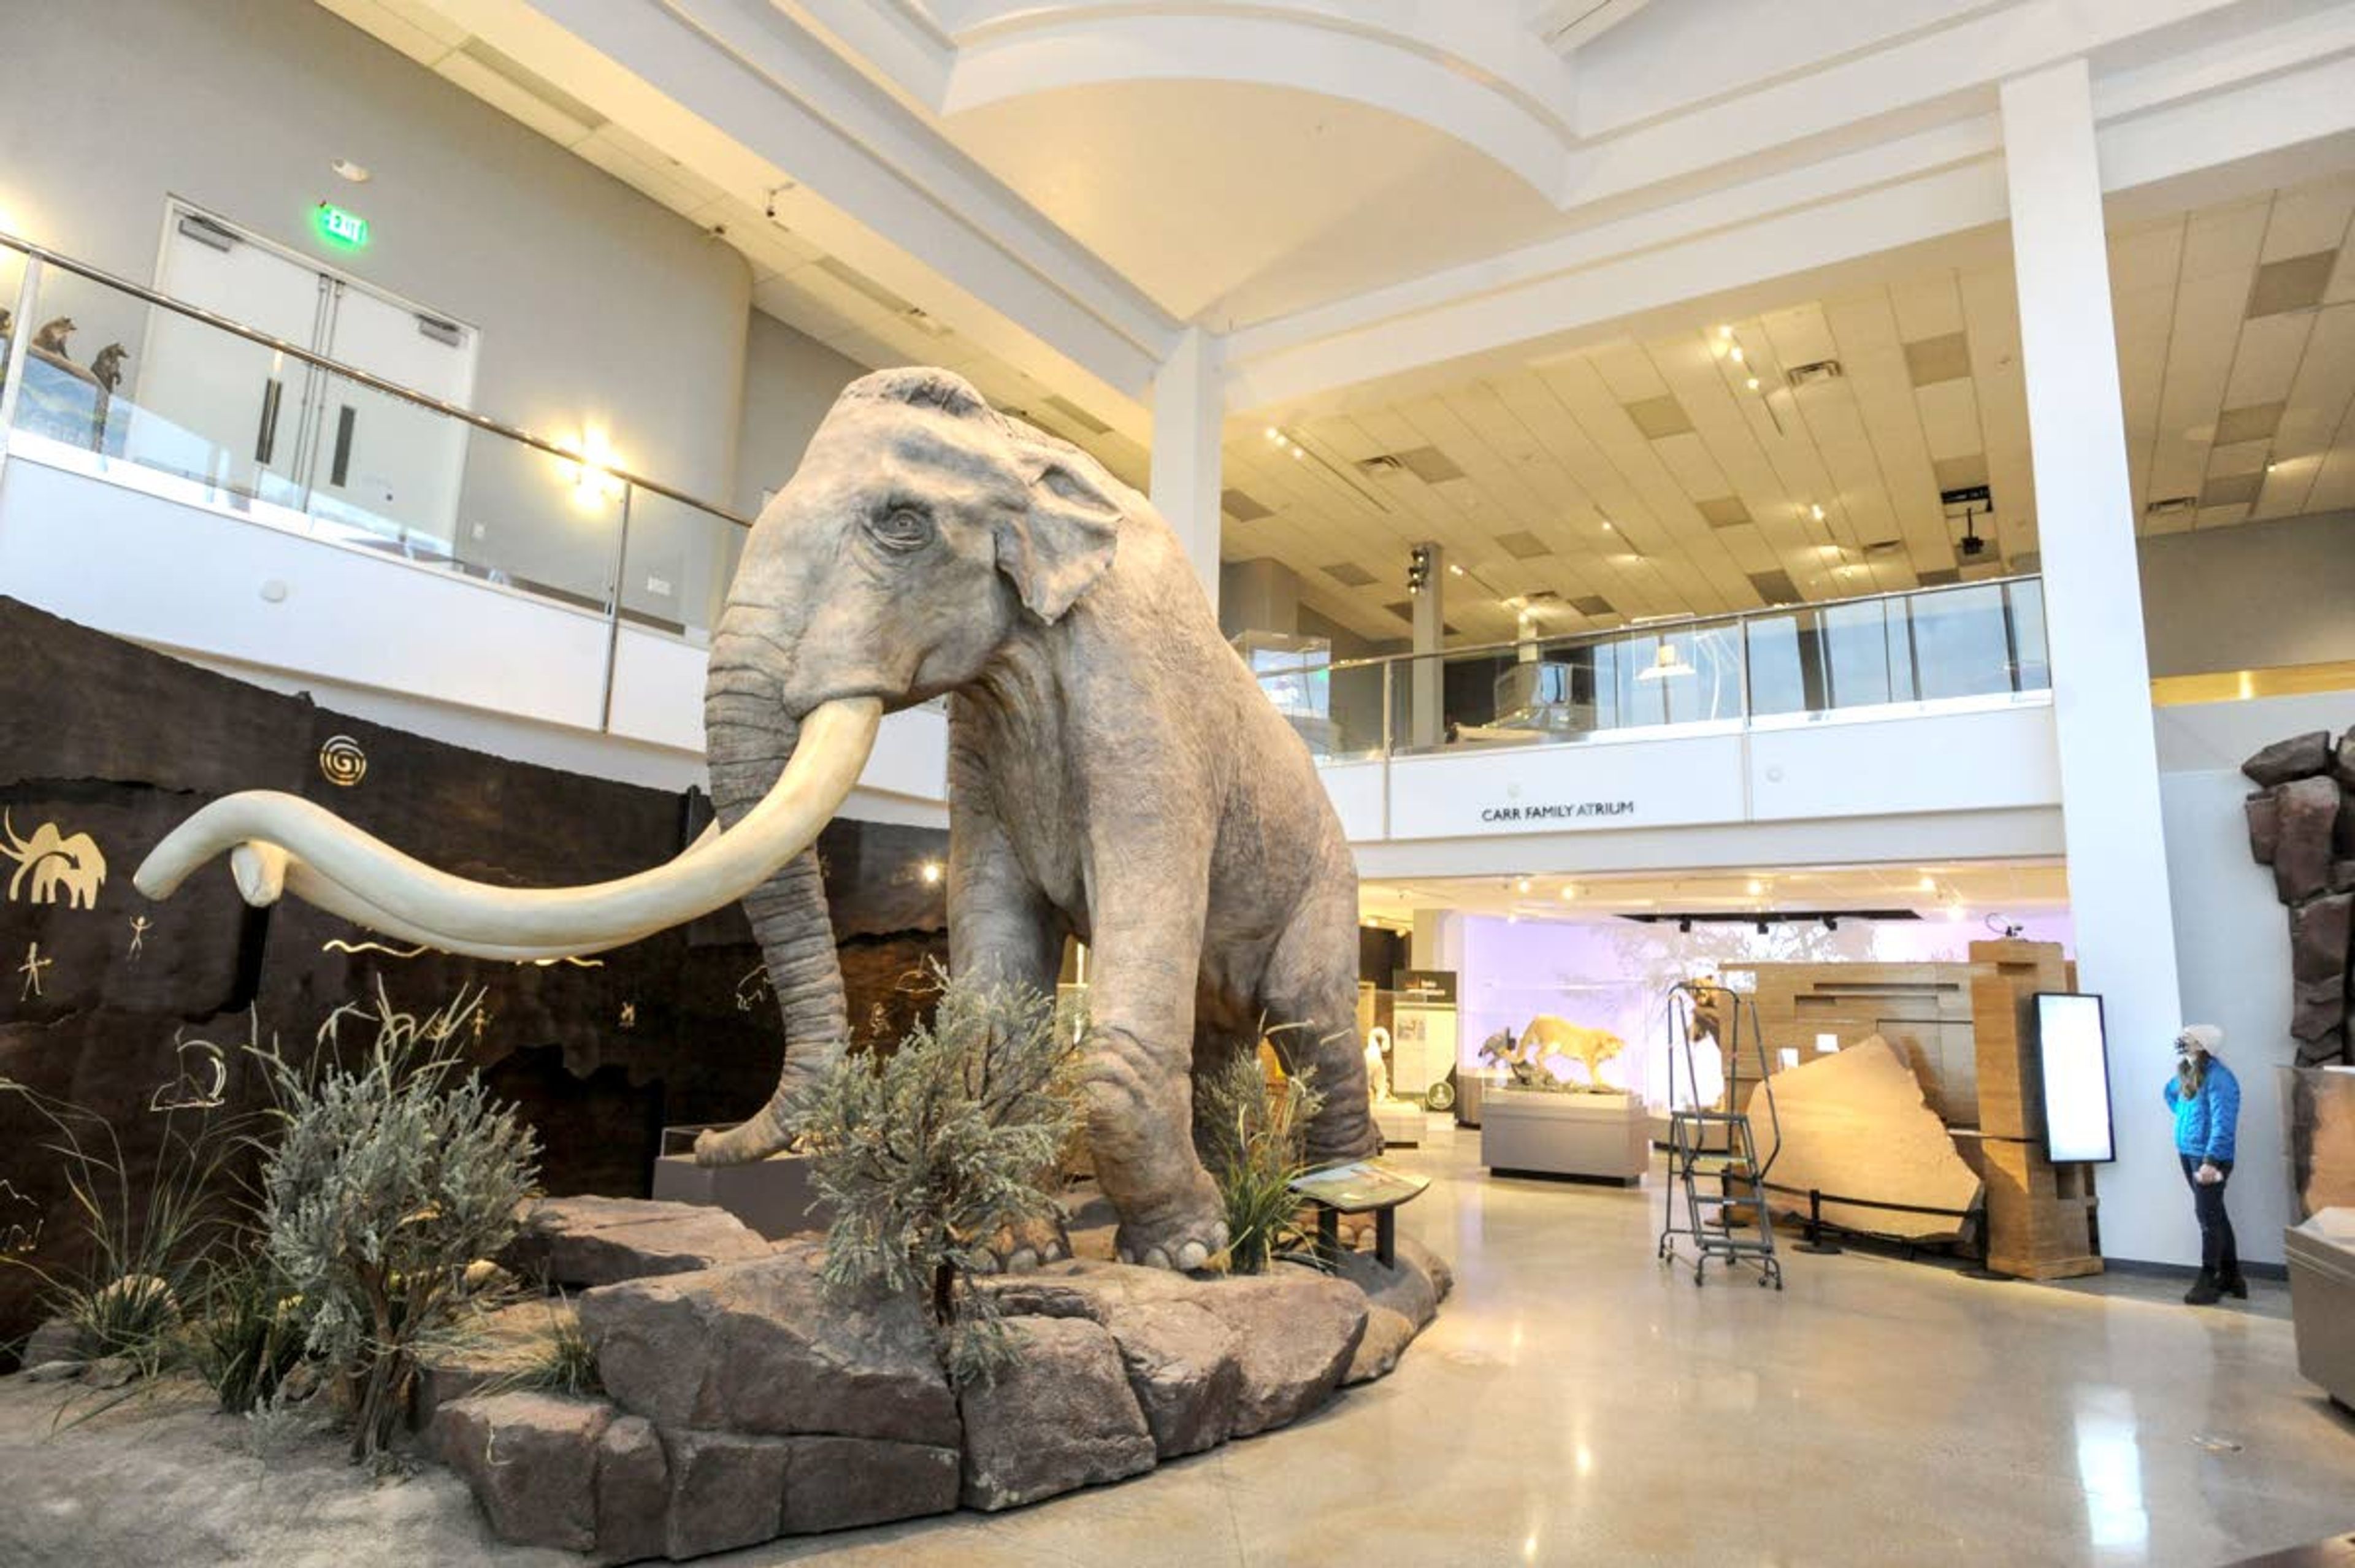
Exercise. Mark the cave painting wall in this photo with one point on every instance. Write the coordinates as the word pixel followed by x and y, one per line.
pixel 138 1012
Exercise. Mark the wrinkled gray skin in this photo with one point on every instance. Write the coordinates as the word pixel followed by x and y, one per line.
pixel 1114 773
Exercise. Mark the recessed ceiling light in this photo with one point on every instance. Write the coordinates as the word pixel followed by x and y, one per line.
pixel 1569 891
pixel 1521 886
pixel 1754 887
pixel 355 173
pixel 1817 511
pixel 1928 884
pixel 1725 332
pixel 1454 569
pixel 1753 383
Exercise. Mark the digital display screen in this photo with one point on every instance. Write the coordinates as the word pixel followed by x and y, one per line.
pixel 2075 1060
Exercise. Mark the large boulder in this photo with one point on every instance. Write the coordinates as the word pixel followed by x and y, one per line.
pixel 1299 1330
pixel 2309 813
pixel 727 1489
pixel 764 1347
pixel 531 1460
pixel 2264 813
pixel 1401 1299
pixel 2299 757
pixel 585 1241
pixel 2343 760
pixel 2319 933
pixel 1182 1368
pixel 840 1483
pixel 1060 1418
pixel 632 1491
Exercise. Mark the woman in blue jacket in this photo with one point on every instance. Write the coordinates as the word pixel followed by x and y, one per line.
pixel 2206 1100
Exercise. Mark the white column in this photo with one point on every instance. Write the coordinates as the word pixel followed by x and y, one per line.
pixel 1189 411
pixel 1427 685
pixel 2101 676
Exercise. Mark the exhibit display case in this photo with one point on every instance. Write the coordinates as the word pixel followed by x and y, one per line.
pixel 2321 1256
pixel 1546 1132
pixel 773 1196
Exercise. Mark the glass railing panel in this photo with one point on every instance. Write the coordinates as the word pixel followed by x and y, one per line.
pixel 1336 711
pixel 543 523
pixel 2031 668
pixel 1962 641
pixel 675 569
pixel 383 472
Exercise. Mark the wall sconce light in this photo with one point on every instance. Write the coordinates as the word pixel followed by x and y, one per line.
pixel 590 472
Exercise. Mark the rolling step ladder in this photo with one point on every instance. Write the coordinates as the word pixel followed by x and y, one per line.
pixel 1715 1171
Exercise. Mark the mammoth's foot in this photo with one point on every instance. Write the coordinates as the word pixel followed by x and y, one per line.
pixel 1017 1249
pixel 1184 1240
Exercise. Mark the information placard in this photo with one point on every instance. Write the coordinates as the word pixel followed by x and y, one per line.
pixel 2073 1056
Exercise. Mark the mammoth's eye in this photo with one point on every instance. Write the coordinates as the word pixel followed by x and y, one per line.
pixel 901 528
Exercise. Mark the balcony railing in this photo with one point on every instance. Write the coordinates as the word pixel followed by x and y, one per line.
pixel 449 489
pixel 1967 646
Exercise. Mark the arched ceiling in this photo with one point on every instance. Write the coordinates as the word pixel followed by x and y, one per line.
pixel 1228 201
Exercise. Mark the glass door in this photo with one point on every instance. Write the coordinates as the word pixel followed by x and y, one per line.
pixel 384 470
pixel 218 408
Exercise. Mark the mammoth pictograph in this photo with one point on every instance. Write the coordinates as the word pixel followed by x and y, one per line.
pixel 53 861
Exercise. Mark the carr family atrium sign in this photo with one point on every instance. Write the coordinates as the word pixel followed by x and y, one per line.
pixel 1570 788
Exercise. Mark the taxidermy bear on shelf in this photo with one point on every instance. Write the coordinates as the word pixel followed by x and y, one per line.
pixel 1116 774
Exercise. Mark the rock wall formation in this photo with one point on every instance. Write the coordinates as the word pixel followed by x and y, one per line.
pixel 2302 824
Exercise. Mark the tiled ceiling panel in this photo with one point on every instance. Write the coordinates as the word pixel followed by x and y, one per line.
pixel 1647 477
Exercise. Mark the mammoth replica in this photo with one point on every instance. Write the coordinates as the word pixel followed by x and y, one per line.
pixel 1114 773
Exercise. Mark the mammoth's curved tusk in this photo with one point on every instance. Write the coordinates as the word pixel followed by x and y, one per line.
pixel 282 842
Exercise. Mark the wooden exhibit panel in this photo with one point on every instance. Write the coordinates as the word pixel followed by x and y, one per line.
pixel 2003 1012
pixel 1924 1010
pixel 2040 1216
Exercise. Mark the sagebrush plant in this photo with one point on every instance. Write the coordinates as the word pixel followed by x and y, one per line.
pixel 927 1154
pixel 393 1168
pixel 148 1231
pixel 1254 1136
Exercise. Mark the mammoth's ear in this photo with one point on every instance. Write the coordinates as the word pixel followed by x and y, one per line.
pixel 1054 550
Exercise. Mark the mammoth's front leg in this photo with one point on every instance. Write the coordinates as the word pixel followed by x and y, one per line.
pixel 1138 1083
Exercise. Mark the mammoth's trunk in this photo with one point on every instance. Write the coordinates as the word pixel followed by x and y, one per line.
pixel 749 738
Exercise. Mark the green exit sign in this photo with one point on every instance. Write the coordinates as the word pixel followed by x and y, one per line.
pixel 341 227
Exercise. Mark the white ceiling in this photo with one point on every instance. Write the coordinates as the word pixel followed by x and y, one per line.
pixel 1967 889
pixel 1228 201
pixel 1930 398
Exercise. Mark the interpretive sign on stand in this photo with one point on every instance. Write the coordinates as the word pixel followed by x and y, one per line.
pixel 1362 1186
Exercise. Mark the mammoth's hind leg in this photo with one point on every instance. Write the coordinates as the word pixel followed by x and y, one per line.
pixel 1311 994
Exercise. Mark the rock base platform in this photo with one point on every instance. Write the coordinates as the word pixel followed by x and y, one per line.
pixel 747 1401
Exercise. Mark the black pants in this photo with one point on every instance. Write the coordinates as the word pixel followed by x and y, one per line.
pixel 2218 1259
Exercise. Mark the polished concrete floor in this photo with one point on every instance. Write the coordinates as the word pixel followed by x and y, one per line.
pixel 1574 1403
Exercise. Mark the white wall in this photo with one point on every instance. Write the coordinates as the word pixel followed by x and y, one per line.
pixel 790 382
pixel 596 303
pixel 2232 952
pixel 1839 777
pixel 2202 591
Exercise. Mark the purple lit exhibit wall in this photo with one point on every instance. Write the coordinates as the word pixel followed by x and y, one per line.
pixel 1615 974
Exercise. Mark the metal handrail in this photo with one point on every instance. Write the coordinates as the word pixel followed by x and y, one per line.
pixel 49 258
pixel 1663 626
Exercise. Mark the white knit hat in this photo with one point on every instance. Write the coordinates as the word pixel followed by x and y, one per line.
pixel 2207 1037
